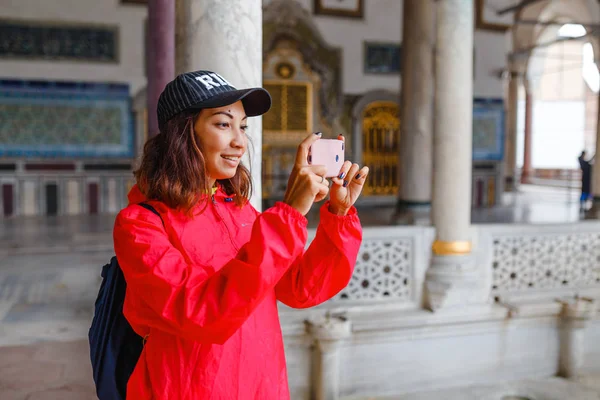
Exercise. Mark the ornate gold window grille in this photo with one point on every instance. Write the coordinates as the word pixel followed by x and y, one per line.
pixel 381 137
pixel 291 111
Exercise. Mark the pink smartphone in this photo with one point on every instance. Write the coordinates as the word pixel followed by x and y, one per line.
pixel 327 152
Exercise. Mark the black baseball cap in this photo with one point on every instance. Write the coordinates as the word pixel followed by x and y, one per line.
pixel 206 89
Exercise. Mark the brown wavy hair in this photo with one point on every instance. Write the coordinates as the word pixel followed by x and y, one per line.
pixel 173 169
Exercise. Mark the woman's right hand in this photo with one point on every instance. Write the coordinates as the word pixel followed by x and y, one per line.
pixel 307 183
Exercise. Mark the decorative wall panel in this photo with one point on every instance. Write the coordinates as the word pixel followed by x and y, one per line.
pixel 488 129
pixel 382 58
pixel 383 271
pixel 64 119
pixel 58 41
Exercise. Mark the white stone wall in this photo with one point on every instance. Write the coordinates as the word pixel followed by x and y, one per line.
pixel 382 23
pixel 129 19
pixel 445 356
pixel 491 49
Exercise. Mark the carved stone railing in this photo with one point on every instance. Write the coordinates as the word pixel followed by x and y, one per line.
pixel 390 268
pixel 516 261
pixel 542 260
pixel 99 188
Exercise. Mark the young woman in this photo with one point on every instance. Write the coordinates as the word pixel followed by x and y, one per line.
pixel 202 288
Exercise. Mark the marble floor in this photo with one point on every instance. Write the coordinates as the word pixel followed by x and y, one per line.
pixel 46 306
pixel 48 296
pixel 46 371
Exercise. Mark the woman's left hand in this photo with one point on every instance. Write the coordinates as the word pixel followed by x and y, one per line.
pixel 346 187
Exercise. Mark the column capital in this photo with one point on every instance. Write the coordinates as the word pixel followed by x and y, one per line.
pixel 517 65
pixel 328 328
pixel 579 308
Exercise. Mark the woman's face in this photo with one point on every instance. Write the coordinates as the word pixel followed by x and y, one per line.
pixel 222 133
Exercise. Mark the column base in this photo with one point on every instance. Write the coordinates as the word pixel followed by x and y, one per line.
pixel 525 177
pixel 411 212
pixel 510 184
pixel 452 281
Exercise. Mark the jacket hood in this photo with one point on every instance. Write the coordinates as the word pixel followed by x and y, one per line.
pixel 135 195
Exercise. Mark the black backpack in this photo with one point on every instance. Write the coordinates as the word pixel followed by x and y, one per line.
pixel 114 346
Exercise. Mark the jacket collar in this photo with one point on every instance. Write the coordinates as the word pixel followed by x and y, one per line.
pixel 219 193
pixel 136 196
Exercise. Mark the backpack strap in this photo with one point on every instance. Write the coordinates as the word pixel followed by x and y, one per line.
pixel 153 210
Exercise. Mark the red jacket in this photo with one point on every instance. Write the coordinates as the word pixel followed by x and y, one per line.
pixel 204 290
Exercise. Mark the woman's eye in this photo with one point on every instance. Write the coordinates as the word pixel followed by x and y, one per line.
pixel 244 128
pixel 223 124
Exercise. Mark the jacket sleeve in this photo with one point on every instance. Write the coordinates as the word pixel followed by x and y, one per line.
pixel 327 266
pixel 194 301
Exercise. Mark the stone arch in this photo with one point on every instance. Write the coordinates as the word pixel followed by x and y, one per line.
pixel 527 38
pixel 563 11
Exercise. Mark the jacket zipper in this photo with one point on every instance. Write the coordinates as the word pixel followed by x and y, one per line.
pixel 223 221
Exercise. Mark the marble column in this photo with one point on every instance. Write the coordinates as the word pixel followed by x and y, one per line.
pixel 329 334
pixel 183 37
pixel 510 161
pixel 528 137
pixel 226 40
pixel 416 128
pixel 451 276
pixel 160 54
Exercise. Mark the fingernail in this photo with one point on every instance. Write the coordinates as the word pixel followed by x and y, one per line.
pixel 318 133
pixel 341 176
pixel 345 183
pixel 357 176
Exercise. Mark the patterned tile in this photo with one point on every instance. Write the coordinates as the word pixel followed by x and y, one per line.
pixel 65 119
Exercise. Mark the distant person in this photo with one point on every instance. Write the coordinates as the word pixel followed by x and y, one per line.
pixel 586 179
